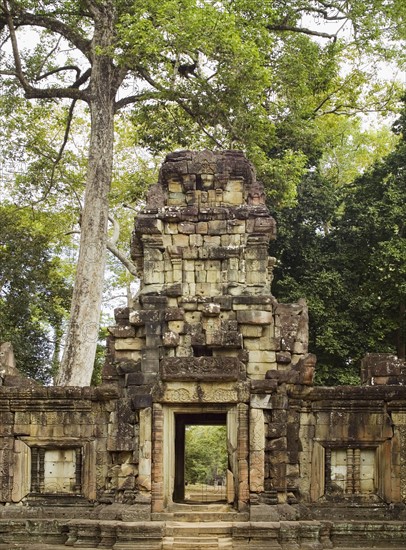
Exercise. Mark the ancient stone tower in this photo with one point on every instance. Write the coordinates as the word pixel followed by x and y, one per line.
pixel 205 339
pixel 205 343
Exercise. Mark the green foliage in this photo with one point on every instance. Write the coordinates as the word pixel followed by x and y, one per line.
pixel 372 233
pixel 342 246
pixel 205 453
pixel 34 295
pixel 251 74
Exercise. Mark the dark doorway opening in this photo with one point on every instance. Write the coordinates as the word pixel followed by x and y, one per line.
pixel 200 455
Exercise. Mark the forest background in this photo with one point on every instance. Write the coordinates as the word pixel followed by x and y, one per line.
pixel 94 93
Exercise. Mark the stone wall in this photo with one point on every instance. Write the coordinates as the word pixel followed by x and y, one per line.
pixel 205 339
pixel 54 441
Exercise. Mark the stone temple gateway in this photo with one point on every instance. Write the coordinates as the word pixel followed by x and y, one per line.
pixel 206 342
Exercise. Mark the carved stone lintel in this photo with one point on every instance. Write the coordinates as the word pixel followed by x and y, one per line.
pixel 208 369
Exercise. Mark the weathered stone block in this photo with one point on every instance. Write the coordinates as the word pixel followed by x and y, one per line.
pixel 180 240
pixel 127 355
pixel 122 331
pixel 174 314
pixel 171 228
pixel 175 290
pixel 176 199
pixel 170 339
pixel 121 315
pixel 147 225
pixel 141 401
pixel 376 366
pixel 217 227
pixel 135 318
pixel 196 241
pixel 236 227
pixel 252 344
pixel 262 357
pixel 202 228
pixel 254 317
pixel 130 344
pixel 175 186
pixel 140 378
pixel 257 371
pixel 233 198
pixel 261 402
pixel 251 331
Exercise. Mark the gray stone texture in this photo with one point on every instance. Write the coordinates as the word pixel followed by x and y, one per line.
pixel 308 467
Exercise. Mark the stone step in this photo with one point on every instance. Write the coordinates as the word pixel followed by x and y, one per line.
pixel 208 517
pixel 197 543
pixel 198 529
pixel 200 516
pixel 59 501
pixel 202 507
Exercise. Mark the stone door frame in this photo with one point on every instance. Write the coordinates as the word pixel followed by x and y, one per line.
pixel 163 450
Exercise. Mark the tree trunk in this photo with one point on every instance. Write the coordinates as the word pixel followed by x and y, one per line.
pixel 80 347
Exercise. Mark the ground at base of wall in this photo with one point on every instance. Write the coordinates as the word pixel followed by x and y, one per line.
pixel 173 535
pixel 62 547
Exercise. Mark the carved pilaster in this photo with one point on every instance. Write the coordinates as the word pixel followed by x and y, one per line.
pixel 157 458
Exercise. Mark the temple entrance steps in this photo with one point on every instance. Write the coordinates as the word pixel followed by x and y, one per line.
pixel 202 512
pixel 202 543
pixel 198 536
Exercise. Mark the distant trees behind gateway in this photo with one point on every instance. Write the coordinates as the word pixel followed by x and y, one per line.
pixel 205 454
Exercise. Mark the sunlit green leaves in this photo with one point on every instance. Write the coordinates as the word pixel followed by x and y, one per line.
pixel 205 453
pixel 34 291
pixel 343 246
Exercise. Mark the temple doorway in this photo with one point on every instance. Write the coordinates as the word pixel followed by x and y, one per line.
pixel 201 458
pixel 188 476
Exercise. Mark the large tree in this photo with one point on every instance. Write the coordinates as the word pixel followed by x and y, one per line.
pixel 209 61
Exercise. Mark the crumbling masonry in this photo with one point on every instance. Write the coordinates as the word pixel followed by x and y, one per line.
pixel 206 342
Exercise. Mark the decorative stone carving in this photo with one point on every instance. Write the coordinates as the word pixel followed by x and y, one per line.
pixel 200 368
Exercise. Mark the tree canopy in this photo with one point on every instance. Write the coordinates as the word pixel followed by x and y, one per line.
pixel 34 293
pixel 343 247
pixel 262 76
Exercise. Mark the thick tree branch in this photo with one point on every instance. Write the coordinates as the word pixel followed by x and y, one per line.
pixel 129 100
pixel 111 247
pixel 302 30
pixel 23 18
pixel 82 78
pixel 60 70
pixel 31 92
pixel 116 230
pixel 127 263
